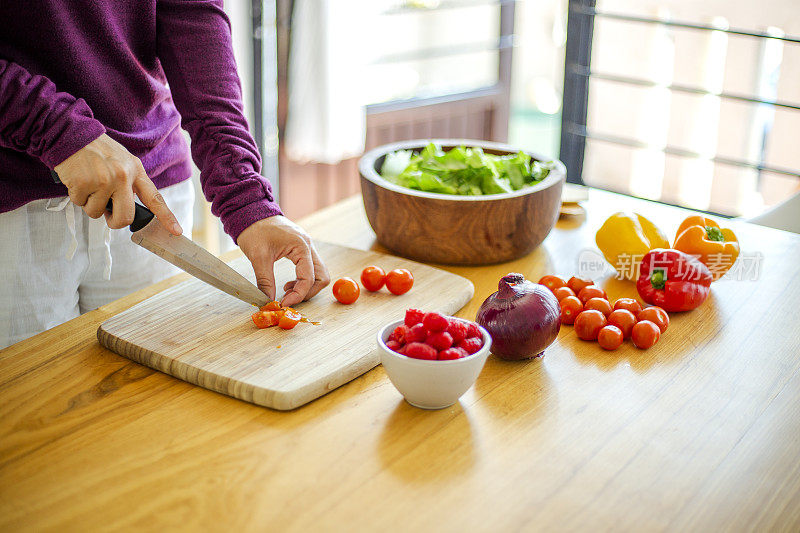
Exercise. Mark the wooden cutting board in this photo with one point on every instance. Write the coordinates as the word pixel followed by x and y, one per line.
pixel 201 335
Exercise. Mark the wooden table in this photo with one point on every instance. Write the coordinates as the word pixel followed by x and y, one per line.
pixel 700 432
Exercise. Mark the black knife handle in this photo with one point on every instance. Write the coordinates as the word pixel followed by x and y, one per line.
pixel 141 215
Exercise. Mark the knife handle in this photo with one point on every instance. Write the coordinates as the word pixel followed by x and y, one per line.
pixel 141 215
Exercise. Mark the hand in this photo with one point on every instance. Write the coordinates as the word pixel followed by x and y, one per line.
pixel 104 169
pixel 269 239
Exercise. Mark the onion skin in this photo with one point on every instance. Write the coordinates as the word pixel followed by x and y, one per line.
pixel 522 317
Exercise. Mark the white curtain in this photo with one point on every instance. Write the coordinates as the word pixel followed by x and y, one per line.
pixel 326 116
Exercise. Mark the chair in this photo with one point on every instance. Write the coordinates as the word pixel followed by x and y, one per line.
pixel 785 215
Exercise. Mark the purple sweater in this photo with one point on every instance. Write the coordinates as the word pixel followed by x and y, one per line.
pixel 71 70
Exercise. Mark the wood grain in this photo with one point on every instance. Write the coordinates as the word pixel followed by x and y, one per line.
pixel 699 433
pixel 458 230
pixel 198 334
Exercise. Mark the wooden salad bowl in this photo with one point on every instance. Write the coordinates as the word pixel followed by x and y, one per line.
pixel 454 229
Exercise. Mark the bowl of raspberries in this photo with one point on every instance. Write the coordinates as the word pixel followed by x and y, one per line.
pixel 433 359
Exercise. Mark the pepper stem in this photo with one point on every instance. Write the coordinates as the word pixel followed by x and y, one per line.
pixel 714 234
pixel 658 279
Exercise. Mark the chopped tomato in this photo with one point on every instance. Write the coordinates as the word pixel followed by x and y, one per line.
pixel 265 319
pixel 289 319
pixel 272 314
pixel 272 306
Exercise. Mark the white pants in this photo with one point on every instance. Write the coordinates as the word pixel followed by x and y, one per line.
pixel 50 276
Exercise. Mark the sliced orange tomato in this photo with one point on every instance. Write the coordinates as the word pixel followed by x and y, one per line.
pixel 289 319
pixel 265 319
pixel 273 314
pixel 272 306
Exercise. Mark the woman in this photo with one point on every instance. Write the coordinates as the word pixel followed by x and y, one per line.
pixel 98 91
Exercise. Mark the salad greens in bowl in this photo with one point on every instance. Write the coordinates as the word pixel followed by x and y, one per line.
pixel 460 201
pixel 465 170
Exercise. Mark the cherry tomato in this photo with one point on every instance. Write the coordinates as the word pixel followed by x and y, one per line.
pixel 592 291
pixel 562 292
pixel 589 323
pixel 598 304
pixel 656 315
pixel 373 278
pixel 272 306
pixel 265 319
pixel 610 338
pixel 346 290
pixel 624 320
pixel 630 304
pixel 399 281
pixel 289 319
pixel 570 308
pixel 645 334
pixel 552 282
pixel 576 284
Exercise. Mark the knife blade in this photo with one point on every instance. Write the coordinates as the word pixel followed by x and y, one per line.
pixel 187 255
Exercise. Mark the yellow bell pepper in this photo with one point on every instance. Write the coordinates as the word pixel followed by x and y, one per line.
pixel 716 247
pixel 624 238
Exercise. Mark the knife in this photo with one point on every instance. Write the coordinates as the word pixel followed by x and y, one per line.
pixel 187 255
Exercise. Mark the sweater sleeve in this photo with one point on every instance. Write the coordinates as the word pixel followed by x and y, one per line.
pixel 194 46
pixel 37 119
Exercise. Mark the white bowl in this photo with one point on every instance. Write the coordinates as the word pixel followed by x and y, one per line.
pixel 431 384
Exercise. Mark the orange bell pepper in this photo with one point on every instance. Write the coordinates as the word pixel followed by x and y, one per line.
pixel 716 247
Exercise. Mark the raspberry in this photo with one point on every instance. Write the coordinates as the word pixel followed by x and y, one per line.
pixel 413 317
pixel 399 334
pixel 417 333
pixel 393 345
pixel 452 353
pixel 435 322
pixel 471 345
pixel 417 350
pixel 457 330
pixel 441 340
pixel 473 331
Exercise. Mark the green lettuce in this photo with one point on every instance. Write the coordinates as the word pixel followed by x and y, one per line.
pixel 462 170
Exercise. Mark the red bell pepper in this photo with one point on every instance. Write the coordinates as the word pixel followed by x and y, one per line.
pixel 673 280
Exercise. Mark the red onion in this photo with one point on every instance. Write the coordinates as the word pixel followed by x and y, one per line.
pixel 522 318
